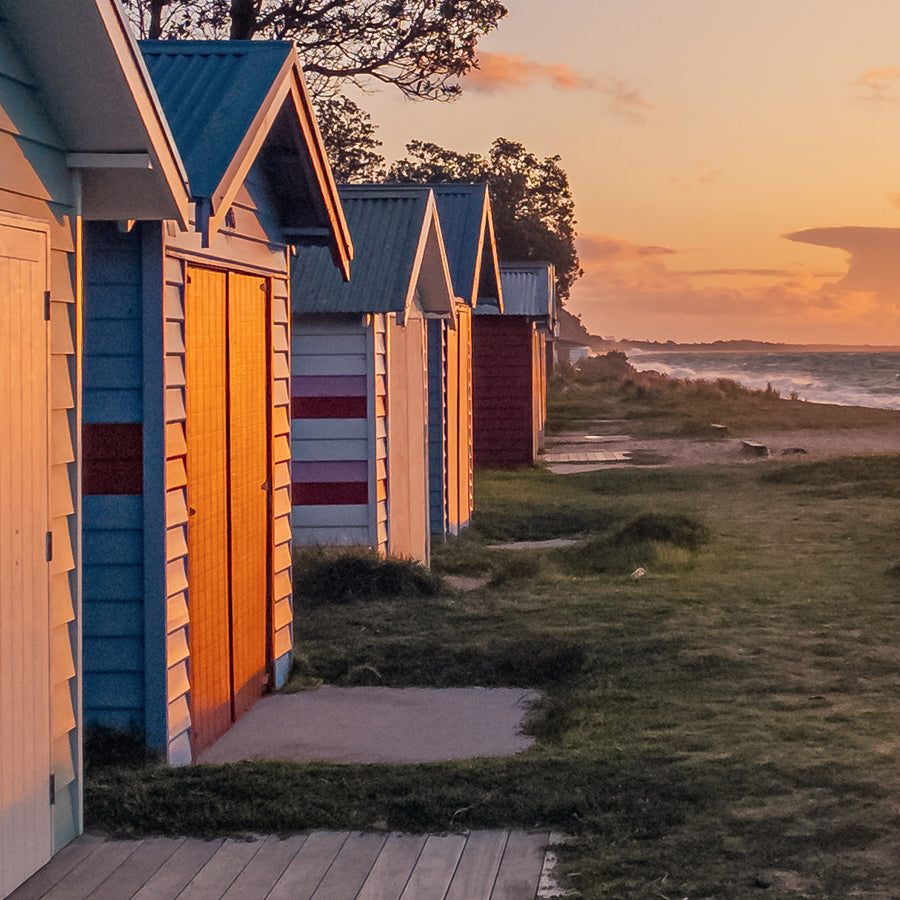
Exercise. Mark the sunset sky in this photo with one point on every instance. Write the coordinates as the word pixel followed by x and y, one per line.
pixel 735 166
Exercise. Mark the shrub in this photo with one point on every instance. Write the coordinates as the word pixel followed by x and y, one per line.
pixel 359 576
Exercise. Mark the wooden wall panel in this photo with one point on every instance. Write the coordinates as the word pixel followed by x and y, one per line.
pixel 207 498
pixel 248 462
pixel 26 692
pixel 503 391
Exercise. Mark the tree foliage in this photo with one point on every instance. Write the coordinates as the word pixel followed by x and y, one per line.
pixel 349 137
pixel 422 47
pixel 533 207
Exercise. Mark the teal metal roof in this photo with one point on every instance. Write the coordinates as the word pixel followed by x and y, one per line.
pixel 528 290
pixel 468 230
pixel 211 92
pixel 398 251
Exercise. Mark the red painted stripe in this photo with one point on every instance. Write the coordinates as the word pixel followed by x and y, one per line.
pixel 112 458
pixel 329 493
pixel 328 407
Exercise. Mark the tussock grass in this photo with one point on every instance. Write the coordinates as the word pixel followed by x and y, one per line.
pixel 355 576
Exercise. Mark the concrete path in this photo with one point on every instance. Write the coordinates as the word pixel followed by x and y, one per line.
pixel 476 865
pixel 379 725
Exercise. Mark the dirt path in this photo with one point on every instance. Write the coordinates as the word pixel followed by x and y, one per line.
pixel 609 448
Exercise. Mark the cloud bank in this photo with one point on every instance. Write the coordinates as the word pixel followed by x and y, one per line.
pixel 647 291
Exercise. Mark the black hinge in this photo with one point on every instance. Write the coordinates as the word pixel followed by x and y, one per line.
pixel 46 306
pixel 49 546
pixel 52 789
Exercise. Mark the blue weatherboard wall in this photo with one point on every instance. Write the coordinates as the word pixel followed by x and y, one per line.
pixel 113 524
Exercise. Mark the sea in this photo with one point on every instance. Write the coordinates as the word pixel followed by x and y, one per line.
pixel 845 378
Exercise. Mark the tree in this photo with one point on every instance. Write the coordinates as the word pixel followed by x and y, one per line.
pixel 422 47
pixel 534 212
pixel 349 137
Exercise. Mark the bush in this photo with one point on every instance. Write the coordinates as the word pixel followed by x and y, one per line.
pixel 360 576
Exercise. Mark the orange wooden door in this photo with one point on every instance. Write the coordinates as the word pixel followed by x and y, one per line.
pixel 249 473
pixel 206 398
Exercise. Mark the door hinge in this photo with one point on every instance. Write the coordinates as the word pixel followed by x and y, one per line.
pixel 49 547
pixel 52 789
pixel 46 306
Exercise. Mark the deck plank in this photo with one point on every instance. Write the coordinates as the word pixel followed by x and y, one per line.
pixel 521 866
pixel 58 868
pixel 223 868
pixel 478 866
pixel 266 867
pixel 434 870
pixel 93 870
pixel 351 867
pixel 137 869
pixel 393 867
pixel 182 866
pixel 308 867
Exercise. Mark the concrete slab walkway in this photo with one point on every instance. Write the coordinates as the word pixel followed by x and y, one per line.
pixel 379 725
pixel 476 865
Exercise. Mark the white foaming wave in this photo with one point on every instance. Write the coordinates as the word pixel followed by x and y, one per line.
pixel 788 385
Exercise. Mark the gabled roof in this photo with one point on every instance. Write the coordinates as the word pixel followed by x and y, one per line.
pixel 399 256
pixel 468 229
pixel 529 289
pixel 233 103
pixel 97 91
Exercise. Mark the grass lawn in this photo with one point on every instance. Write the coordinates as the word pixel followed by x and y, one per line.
pixel 724 727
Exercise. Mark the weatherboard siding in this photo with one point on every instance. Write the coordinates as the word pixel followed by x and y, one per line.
pixel 503 390
pixel 30 144
pixel 439 426
pixel 113 590
pixel 332 437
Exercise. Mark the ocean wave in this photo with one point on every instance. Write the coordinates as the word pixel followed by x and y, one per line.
pixel 841 378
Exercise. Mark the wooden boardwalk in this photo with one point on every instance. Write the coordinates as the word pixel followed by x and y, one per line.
pixel 477 865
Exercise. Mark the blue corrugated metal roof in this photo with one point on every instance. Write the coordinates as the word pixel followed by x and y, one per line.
pixel 211 91
pixel 528 290
pixel 463 223
pixel 387 224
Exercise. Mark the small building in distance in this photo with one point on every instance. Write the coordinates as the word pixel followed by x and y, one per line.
pixel 468 230
pixel 510 362
pixel 81 138
pixel 186 469
pixel 359 376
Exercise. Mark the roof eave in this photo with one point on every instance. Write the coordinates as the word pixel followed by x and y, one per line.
pixel 99 93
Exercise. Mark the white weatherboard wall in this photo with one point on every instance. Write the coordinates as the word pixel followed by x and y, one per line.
pixel 342 347
pixel 39 737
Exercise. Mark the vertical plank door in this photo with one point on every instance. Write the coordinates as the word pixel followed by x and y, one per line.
pixel 249 428
pixel 206 398
pixel 26 829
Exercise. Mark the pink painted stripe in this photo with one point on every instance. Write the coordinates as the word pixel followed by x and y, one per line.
pixel 328 386
pixel 329 470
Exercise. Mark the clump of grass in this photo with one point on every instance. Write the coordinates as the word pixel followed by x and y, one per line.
pixel 515 566
pixel 124 748
pixel 666 528
pixel 355 577
pixel 647 539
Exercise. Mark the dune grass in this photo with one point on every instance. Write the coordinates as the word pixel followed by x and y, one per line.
pixel 658 406
pixel 723 727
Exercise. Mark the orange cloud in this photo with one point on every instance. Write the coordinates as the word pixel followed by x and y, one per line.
pixel 878 85
pixel 501 71
pixel 638 291
pixel 512 71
